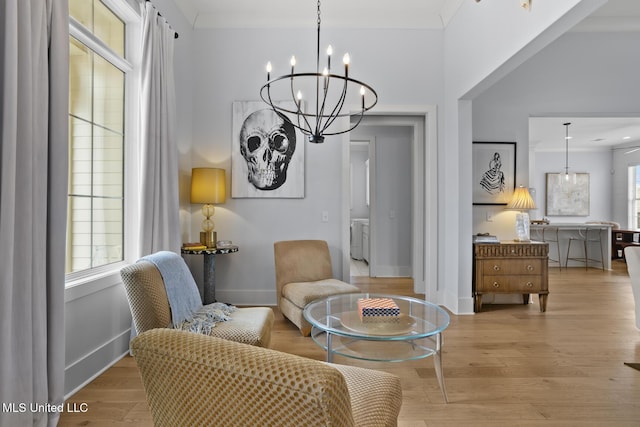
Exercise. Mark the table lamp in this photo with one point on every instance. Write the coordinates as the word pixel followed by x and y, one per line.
pixel 208 186
pixel 522 201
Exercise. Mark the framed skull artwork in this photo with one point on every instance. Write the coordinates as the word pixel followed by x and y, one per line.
pixel 267 153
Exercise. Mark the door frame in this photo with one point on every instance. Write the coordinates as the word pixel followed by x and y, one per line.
pixel 425 194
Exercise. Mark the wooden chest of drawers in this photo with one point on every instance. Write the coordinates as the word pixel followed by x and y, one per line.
pixel 511 268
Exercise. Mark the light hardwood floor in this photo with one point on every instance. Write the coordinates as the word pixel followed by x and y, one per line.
pixel 509 365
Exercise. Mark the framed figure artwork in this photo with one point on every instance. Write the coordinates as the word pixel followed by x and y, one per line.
pixel 494 172
pixel 267 153
pixel 567 194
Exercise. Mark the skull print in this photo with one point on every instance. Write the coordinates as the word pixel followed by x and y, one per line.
pixel 267 143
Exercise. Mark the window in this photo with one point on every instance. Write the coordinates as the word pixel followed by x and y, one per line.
pixel 99 75
pixel 634 197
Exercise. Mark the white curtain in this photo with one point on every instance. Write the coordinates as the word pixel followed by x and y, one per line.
pixel 160 228
pixel 34 78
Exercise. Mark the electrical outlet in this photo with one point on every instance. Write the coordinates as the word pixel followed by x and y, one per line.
pixel 489 217
pixel 325 216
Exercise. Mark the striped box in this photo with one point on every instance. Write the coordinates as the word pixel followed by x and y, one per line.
pixel 377 308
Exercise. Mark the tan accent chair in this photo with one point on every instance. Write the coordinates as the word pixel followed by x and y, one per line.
pixel 149 305
pixel 196 380
pixel 303 274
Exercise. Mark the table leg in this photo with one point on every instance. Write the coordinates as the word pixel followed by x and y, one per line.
pixel 478 303
pixel 209 279
pixel 437 362
pixel 329 349
pixel 543 302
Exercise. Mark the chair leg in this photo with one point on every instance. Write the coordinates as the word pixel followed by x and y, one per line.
pixel 586 255
pixel 601 254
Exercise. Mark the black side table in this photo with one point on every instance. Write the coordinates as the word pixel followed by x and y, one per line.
pixel 209 285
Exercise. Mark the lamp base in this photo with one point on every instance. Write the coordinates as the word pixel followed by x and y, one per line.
pixel 522 227
pixel 209 239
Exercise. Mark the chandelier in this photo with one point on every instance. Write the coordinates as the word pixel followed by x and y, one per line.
pixel 332 91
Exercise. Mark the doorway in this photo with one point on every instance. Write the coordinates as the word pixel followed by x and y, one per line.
pixel 422 168
pixel 359 205
pixel 382 226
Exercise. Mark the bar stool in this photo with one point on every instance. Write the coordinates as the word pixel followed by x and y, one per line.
pixel 587 235
pixel 550 234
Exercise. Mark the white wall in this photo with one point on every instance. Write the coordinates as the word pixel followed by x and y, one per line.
pixel 580 74
pixel 596 163
pixel 230 67
pixel 483 43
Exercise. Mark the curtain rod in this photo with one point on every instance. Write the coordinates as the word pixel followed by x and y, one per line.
pixel 176 35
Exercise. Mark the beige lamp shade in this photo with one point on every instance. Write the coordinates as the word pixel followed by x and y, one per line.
pixel 521 200
pixel 208 186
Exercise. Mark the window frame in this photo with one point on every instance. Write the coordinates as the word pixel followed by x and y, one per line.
pixel 131 66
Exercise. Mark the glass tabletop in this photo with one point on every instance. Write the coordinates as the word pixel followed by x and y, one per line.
pixel 338 315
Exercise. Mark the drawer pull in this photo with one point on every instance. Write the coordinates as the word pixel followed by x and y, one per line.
pixel 529 285
pixel 530 267
pixel 496 284
pixel 496 268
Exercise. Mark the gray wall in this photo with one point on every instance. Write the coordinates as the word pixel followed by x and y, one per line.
pixel 580 74
pixel 231 68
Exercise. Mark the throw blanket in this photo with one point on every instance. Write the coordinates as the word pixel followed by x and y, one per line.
pixel 207 317
pixel 182 291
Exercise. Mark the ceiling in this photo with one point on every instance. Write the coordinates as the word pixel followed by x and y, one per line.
pixel 335 13
pixel 587 133
pixel 368 13
pixel 546 133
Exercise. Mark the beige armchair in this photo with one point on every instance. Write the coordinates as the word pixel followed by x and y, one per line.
pixel 196 380
pixel 303 274
pixel 150 308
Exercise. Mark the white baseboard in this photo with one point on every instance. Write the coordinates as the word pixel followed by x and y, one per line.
pixel 393 271
pixel 81 372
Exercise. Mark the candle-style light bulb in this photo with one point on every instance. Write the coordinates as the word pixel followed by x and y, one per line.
pixel 362 92
pixel 325 72
pixel 293 63
pixel 329 53
pixel 299 96
pixel 268 70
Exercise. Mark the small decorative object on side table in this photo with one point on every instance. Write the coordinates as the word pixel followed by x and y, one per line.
pixel 209 285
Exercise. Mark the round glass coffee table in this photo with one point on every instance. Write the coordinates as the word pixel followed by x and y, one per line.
pixel 415 334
